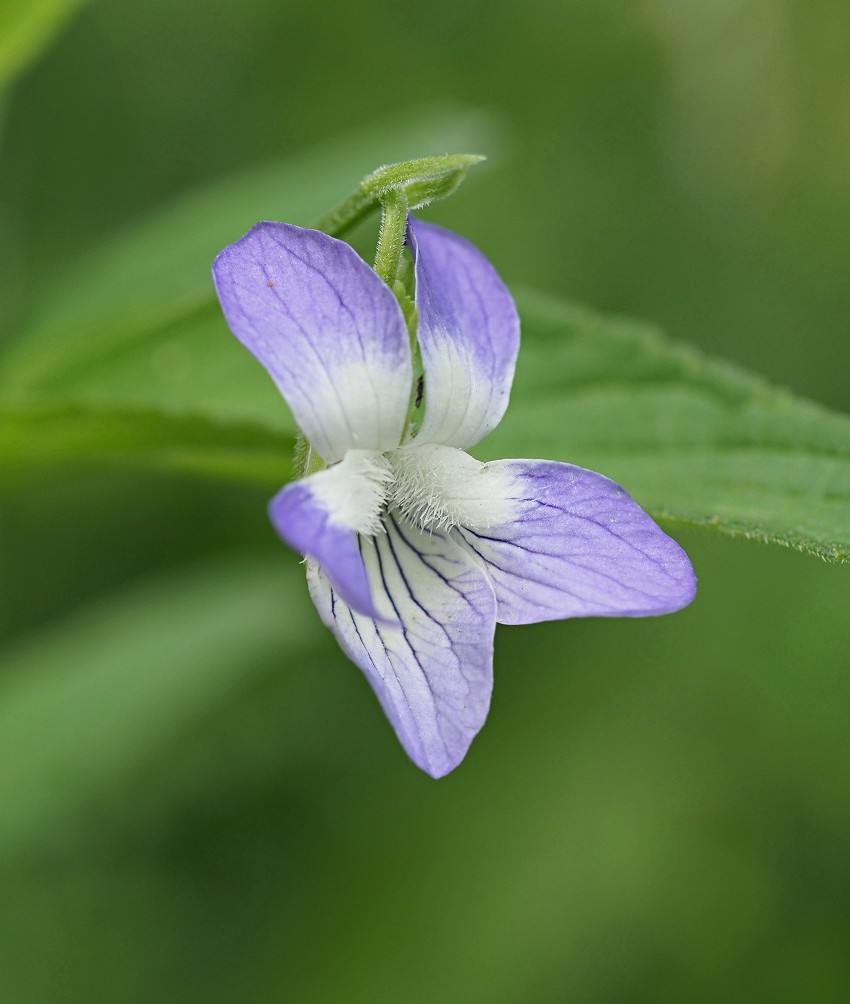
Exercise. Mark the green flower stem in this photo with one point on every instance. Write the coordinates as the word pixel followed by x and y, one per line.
pixel 391 237
pixel 347 214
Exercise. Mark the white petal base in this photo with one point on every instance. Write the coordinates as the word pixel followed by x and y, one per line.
pixel 440 487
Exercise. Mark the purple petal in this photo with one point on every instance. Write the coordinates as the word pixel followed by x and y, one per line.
pixel 432 670
pixel 578 546
pixel 307 526
pixel 468 336
pixel 326 328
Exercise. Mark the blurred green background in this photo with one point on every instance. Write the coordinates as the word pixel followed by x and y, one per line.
pixel 200 797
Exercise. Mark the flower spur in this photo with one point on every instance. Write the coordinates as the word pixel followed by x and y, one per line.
pixel 415 550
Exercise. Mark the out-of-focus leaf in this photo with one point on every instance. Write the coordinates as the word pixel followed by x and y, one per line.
pixel 193 365
pixel 94 698
pixel 146 283
pixel 26 27
pixel 36 438
pixel 695 440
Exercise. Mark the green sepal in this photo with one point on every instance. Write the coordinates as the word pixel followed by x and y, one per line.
pixel 420 181
pixel 305 459
pixel 423 180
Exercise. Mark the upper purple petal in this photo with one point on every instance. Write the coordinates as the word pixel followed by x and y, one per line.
pixel 578 546
pixel 432 670
pixel 468 336
pixel 327 329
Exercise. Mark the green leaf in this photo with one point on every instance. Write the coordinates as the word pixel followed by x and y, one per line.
pixel 94 698
pixel 694 440
pixel 38 438
pixel 191 366
pixel 26 28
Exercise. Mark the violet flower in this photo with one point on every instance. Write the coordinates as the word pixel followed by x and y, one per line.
pixel 415 551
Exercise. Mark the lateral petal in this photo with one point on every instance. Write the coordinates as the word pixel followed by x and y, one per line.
pixel 322 515
pixel 577 546
pixel 468 337
pixel 432 670
pixel 328 331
